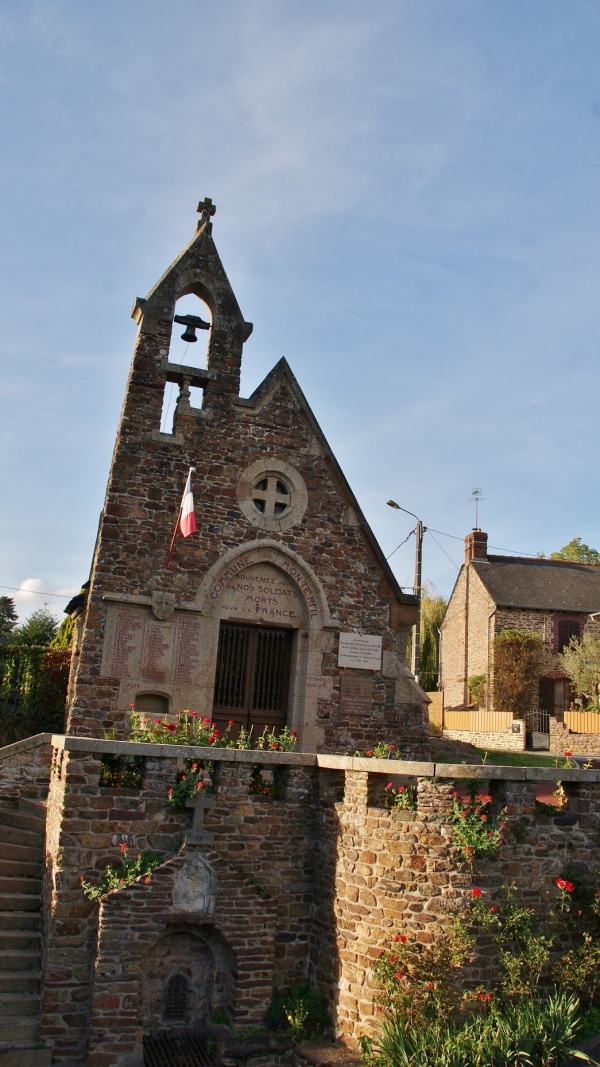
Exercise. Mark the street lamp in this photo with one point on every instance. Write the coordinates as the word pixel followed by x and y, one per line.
pixel 415 659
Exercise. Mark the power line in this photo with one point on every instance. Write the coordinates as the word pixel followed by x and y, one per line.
pixel 36 592
pixel 401 543
pixel 444 550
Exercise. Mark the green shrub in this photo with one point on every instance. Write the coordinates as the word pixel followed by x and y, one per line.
pixel 300 1009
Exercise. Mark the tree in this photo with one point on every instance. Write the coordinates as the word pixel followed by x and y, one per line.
pixel 8 618
pixel 39 629
pixel 517 659
pixel 580 661
pixel 433 609
pixel 577 552
pixel 64 635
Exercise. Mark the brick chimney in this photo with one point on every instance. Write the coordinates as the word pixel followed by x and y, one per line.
pixel 475 546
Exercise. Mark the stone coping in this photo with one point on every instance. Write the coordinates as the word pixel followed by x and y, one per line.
pixel 8 751
pixel 326 761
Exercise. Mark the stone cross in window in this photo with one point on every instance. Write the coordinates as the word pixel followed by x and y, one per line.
pixel 271 496
pixel 206 210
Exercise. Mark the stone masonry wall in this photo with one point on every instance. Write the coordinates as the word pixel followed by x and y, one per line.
pixel 492 740
pixel 563 739
pixel 313 884
pixel 465 637
pixel 25 767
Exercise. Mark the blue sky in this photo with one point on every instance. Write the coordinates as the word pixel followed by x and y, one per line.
pixel 407 207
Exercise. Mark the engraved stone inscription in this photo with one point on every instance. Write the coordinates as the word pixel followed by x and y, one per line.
pixel 361 651
pixel 156 653
pixel 356 694
pixel 126 643
pixel 187 651
pixel 261 593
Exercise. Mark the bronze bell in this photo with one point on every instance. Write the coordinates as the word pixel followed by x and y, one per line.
pixel 191 323
pixel 189 335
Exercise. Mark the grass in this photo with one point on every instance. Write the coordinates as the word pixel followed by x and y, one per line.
pixel 500 759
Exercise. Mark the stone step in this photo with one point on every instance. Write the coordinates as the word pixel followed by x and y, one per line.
pixel 20 902
pixel 20 982
pixel 19 920
pixel 13 960
pixel 17 868
pixel 17 884
pixel 15 1028
pixel 22 853
pixel 22 1055
pixel 13 835
pixel 22 820
pixel 20 939
pixel 34 806
pixel 21 1005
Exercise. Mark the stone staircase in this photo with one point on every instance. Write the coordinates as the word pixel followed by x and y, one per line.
pixel 22 828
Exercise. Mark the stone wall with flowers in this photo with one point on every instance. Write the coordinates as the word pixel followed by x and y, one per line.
pixel 309 881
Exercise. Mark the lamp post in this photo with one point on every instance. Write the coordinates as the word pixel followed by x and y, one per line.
pixel 415 659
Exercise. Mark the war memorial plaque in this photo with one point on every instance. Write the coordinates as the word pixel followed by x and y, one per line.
pixel 122 642
pixel 156 652
pixel 261 593
pixel 356 694
pixel 361 651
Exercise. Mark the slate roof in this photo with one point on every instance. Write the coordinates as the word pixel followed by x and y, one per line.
pixel 540 584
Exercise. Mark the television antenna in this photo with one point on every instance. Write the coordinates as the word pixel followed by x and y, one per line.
pixel 477 496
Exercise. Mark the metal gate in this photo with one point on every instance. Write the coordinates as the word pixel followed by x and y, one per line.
pixel 537 721
pixel 176 1048
pixel 252 677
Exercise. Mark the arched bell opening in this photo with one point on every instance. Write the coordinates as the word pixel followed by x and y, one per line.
pixel 190 336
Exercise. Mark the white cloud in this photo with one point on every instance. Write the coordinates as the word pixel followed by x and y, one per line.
pixel 33 593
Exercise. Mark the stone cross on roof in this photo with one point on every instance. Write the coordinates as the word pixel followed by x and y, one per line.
pixel 206 210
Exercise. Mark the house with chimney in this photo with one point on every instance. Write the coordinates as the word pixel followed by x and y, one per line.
pixel 555 599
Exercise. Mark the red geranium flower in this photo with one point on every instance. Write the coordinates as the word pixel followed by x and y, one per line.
pixel 170 727
pixel 231 722
pixel 564 885
pixel 124 847
pixel 568 753
pixel 369 752
pixel 476 892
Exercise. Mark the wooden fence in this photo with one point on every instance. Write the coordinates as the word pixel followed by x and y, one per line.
pixel 478 720
pixel 436 712
pixel 583 722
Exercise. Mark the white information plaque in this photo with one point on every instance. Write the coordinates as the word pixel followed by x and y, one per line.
pixel 360 651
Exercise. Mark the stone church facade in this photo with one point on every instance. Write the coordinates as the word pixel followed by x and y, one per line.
pixel 282 576
pixel 279 609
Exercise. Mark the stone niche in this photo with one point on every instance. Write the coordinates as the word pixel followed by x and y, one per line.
pixel 188 975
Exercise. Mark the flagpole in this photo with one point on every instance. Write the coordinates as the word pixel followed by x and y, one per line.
pixel 170 552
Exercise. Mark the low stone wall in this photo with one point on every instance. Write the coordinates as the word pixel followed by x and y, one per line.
pixel 562 739
pixel 263 892
pixel 506 741
pixel 25 767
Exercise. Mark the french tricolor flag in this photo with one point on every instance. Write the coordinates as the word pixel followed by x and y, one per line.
pixel 187 521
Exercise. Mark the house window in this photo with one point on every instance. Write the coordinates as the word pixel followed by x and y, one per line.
pixel 567 630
